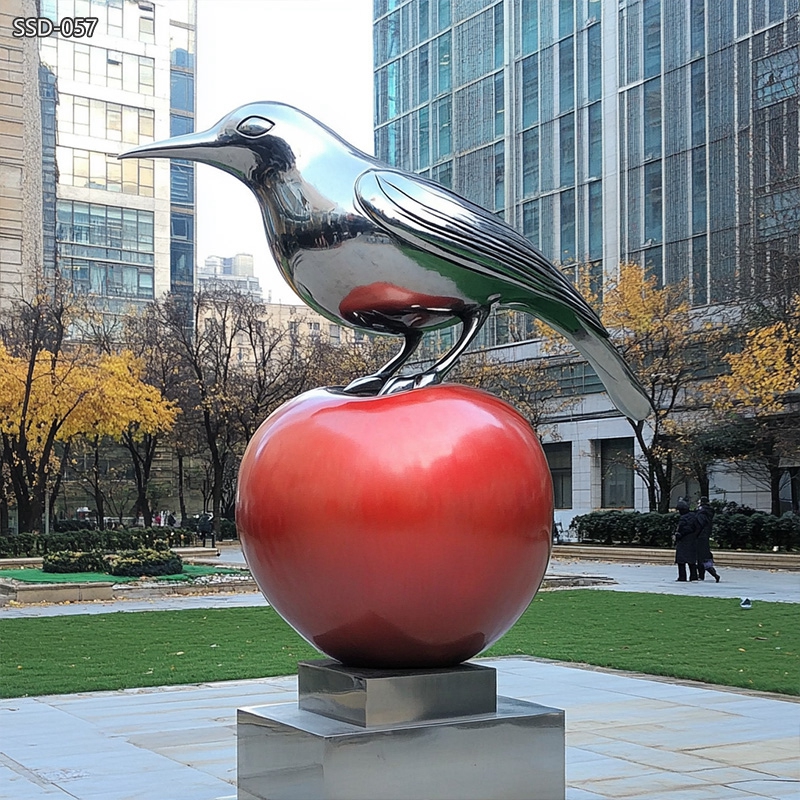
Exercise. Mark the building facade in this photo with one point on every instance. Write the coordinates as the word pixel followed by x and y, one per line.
pixel 234 272
pixel 124 230
pixel 658 131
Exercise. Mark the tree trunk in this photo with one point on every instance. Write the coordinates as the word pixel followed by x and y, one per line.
pixel 181 495
pixel 775 474
pixel 4 523
pixel 99 500
pixel 665 485
pixel 216 494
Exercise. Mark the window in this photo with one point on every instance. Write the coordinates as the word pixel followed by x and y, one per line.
pixel 616 473
pixel 530 222
pixel 182 226
pixel 566 17
pixel 530 162
pixel 529 25
pixel 652 118
pixel 595 220
pixel 423 138
pixel 499 176
pixel 98 231
pixel 499 105
pixel 530 90
pixel 559 459
pixel 392 89
pixel 147 29
pixel 698 91
pixel 443 174
pixel 181 182
pixel 181 90
pixel 699 190
pixel 443 73
pixel 104 171
pixel 443 14
pixel 566 75
pixel 498 36
pixel 181 46
pixel 652 201
pixel 595 136
pixel 566 133
pixel 567 208
pixel 652 37
pixel 423 20
pixel 443 137
pixel 423 74
pixel 594 63
pixel 698 27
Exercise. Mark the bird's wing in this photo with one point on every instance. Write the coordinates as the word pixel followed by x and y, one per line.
pixel 428 216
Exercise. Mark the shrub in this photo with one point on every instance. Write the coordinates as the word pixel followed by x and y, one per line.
pixel 606 527
pixel 133 563
pixel 732 530
pixel 655 530
pixel 227 529
pixel 71 561
pixel 31 545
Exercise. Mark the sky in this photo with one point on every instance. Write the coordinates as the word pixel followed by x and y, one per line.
pixel 313 54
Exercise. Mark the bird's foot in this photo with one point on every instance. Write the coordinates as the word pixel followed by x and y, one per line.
pixel 406 382
pixel 366 386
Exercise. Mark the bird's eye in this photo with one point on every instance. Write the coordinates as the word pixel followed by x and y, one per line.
pixel 254 126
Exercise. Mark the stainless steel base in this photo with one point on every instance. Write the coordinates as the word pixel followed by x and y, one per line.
pixel 287 753
pixel 369 697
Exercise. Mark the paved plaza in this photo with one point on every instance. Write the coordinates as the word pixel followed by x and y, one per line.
pixel 628 736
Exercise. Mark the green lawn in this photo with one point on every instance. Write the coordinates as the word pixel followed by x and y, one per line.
pixel 706 639
pixel 32 575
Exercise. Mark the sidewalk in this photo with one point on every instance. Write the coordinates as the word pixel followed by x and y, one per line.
pixel 628 736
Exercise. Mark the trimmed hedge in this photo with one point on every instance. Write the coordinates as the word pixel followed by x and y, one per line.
pixel 730 531
pixel 33 545
pixel 66 561
pixel 135 563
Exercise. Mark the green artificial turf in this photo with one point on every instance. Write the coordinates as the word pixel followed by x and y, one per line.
pixel 35 575
pixel 706 639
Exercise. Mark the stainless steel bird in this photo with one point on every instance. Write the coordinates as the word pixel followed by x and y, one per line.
pixel 388 251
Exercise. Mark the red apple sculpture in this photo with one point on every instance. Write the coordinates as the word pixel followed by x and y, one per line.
pixel 403 531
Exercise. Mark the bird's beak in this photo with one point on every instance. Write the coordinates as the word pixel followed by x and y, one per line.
pixel 191 146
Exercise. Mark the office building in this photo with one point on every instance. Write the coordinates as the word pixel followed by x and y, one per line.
pixel 658 131
pixel 235 272
pixel 124 230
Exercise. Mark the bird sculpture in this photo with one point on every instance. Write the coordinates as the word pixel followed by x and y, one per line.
pixel 388 251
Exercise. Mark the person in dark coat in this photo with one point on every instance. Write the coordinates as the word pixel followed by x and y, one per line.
pixel 705 559
pixel 686 541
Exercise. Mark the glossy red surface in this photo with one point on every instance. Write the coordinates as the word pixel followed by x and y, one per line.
pixel 408 530
pixel 388 299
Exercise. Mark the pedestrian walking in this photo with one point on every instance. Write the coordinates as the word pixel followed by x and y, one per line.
pixel 686 541
pixel 705 559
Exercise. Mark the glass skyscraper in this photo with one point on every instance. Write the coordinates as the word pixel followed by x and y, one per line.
pixel 660 131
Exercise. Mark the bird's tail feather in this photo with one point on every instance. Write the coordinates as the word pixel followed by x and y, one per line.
pixel 622 385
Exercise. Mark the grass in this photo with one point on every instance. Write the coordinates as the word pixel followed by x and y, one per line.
pixel 35 575
pixel 705 639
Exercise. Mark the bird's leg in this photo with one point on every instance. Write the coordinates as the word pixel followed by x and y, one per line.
pixel 473 321
pixel 372 384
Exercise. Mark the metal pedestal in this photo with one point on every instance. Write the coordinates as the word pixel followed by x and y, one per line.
pixel 400 735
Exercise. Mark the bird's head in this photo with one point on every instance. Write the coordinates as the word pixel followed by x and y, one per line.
pixel 251 141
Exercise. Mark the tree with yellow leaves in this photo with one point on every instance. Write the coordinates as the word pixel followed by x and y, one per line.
pixel 758 400
pixel 668 347
pixel 53 390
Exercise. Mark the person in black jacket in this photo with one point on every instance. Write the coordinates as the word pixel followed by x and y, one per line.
pixel 705 559
pixel 686 541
